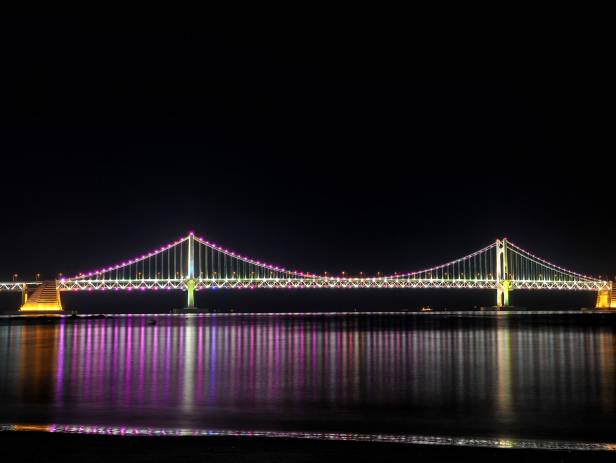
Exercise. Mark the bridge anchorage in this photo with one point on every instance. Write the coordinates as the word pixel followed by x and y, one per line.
pixel 193 264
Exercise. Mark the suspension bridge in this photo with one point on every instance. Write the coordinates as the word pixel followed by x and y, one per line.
pixel 193 263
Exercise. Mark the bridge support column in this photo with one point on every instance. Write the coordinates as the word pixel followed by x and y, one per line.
pixel 190 288
pixel 606 298
pixel 44 299
pixel 502 294
pixel 24 295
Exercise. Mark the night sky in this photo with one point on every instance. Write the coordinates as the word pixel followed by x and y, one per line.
pixel 317 151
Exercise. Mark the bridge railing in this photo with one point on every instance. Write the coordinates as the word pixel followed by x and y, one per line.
pixel 18 285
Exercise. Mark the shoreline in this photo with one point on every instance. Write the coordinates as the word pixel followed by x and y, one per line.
pixel 36 445
pixel 492 442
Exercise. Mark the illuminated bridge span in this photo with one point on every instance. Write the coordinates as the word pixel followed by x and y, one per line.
pixel 192 263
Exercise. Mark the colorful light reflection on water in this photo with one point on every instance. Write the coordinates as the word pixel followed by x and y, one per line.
pixel 495 378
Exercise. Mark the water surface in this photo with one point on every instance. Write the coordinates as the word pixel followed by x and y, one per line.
pixel 541 377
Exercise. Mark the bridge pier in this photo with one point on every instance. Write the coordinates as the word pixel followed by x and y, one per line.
pixel 44 299
pixel 190 289
pixel 502 294
pixel 24 295
pixel 606 298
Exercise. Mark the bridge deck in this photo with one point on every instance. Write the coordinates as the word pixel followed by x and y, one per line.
pixel 18 285
pixel 341 283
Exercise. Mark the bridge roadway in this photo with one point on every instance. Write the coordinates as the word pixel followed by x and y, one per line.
pixel 300 283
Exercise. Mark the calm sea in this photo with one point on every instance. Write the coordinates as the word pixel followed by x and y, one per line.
pixel 505 376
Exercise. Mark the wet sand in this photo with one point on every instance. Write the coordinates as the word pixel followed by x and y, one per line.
pixel 45 447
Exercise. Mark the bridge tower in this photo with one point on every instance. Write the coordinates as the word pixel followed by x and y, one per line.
pixel 190 282
pixel 502 274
